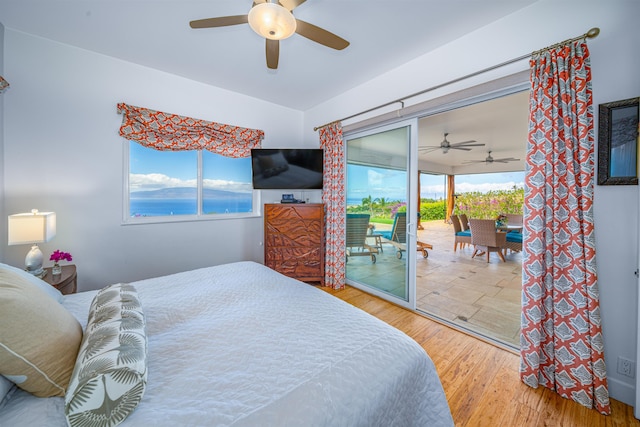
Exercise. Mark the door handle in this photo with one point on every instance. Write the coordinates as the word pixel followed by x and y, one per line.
pixel 410 225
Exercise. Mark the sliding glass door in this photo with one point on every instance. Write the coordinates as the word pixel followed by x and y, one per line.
pixel 382 211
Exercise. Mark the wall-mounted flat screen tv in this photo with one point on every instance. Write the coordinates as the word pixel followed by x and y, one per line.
pixel 287 168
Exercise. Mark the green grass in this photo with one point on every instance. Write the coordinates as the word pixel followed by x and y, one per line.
pixel 380 220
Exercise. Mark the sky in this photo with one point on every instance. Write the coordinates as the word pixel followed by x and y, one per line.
pixel 391 184
pixel 151 170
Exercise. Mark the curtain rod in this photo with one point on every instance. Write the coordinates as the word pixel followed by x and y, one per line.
pixel 591 34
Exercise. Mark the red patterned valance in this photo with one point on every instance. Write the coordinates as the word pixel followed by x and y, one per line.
pixel 3 84
pixel 170 132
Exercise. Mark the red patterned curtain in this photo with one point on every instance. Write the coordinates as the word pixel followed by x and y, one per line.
pixel 170 132
pixel 561 341
pixel 333 197
pixel 3 84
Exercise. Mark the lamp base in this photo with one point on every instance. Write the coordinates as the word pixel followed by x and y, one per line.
pixel 40 274
pixel 33 262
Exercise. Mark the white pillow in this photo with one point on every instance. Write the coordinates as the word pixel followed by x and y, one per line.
pixel 41 284
pixel 110 374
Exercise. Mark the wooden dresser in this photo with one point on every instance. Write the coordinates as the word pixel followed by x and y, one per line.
pixel 294 240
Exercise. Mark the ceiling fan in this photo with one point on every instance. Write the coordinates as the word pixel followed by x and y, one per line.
pixel 445 145
pixel 274 20
pixel 489 159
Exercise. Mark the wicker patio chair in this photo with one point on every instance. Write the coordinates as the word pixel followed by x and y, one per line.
pixel 486 239
pixel 514 219
pixel 461 237
pixel 514 241
pixel 464 222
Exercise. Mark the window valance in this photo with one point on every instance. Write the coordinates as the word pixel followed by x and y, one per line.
pixel 3 84
pixel 170 132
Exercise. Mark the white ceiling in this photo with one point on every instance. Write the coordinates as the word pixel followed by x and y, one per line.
pixel 384 34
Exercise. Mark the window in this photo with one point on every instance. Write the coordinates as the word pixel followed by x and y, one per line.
pixel 186 185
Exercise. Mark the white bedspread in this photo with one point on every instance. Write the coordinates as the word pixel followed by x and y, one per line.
pixel 242 345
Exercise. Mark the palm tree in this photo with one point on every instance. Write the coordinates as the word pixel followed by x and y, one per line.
pixel 383 204
pixel 367 202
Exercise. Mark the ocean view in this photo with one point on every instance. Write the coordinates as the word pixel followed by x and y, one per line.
pixel 164 207
pixel 353 201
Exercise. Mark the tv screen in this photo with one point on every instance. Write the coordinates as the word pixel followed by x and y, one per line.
pixel 287 169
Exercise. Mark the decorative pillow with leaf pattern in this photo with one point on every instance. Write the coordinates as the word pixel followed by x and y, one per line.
pixel 110 374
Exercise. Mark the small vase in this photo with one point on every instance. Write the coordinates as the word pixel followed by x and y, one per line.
pixel 56 269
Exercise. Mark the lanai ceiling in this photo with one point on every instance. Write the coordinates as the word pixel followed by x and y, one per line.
pixel 501 124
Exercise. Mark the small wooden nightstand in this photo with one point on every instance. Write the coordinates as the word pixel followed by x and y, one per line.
pixel 66 282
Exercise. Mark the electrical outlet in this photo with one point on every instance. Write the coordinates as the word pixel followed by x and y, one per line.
pixel 626 367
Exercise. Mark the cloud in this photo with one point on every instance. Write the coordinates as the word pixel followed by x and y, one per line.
pixel 220 184
pixel 374 178
pixel 157 181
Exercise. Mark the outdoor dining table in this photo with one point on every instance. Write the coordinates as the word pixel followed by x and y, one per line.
pixel 508 228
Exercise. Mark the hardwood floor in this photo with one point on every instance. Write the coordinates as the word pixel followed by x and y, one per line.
pixel 480 380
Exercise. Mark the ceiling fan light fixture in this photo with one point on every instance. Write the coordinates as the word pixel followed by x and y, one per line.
pixel 272 21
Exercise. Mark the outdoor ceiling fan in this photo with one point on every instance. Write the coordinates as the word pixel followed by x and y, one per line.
pixel 489 159
pixel 445 145
pixel 274 20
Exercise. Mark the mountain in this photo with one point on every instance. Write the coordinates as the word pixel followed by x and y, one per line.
pixel 188 193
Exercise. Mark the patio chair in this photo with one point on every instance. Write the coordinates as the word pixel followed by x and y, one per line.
pixel 397 236
pixel 464 222
pixel 357 227
pixel 514 219
pixel 486 239
pixel 461 237
pixel 514 241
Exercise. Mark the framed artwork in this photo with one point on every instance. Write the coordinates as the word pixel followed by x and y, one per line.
pixel 618 142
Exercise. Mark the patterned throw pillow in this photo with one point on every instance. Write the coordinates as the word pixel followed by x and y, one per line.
pixel 110 374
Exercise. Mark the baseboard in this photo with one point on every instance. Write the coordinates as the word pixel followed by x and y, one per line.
pixel 621 391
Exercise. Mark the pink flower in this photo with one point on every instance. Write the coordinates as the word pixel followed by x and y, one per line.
pixel 58 256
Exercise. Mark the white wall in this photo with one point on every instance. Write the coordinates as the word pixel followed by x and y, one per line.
pixel 615 64
pixel 3 225
pixel 63 153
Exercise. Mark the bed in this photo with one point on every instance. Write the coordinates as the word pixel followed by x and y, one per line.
pixel 242 345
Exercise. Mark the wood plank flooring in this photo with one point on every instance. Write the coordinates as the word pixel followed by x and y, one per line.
pixel 481 381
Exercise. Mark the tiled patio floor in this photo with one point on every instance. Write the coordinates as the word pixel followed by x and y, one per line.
pixel 471 293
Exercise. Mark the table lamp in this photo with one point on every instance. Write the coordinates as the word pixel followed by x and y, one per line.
pixel 32 228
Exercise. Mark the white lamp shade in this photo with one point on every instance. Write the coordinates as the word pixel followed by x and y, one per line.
pixel 29 228
pixel 272 21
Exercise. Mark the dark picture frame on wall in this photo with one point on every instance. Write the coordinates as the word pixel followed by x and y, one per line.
pixel 618 142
